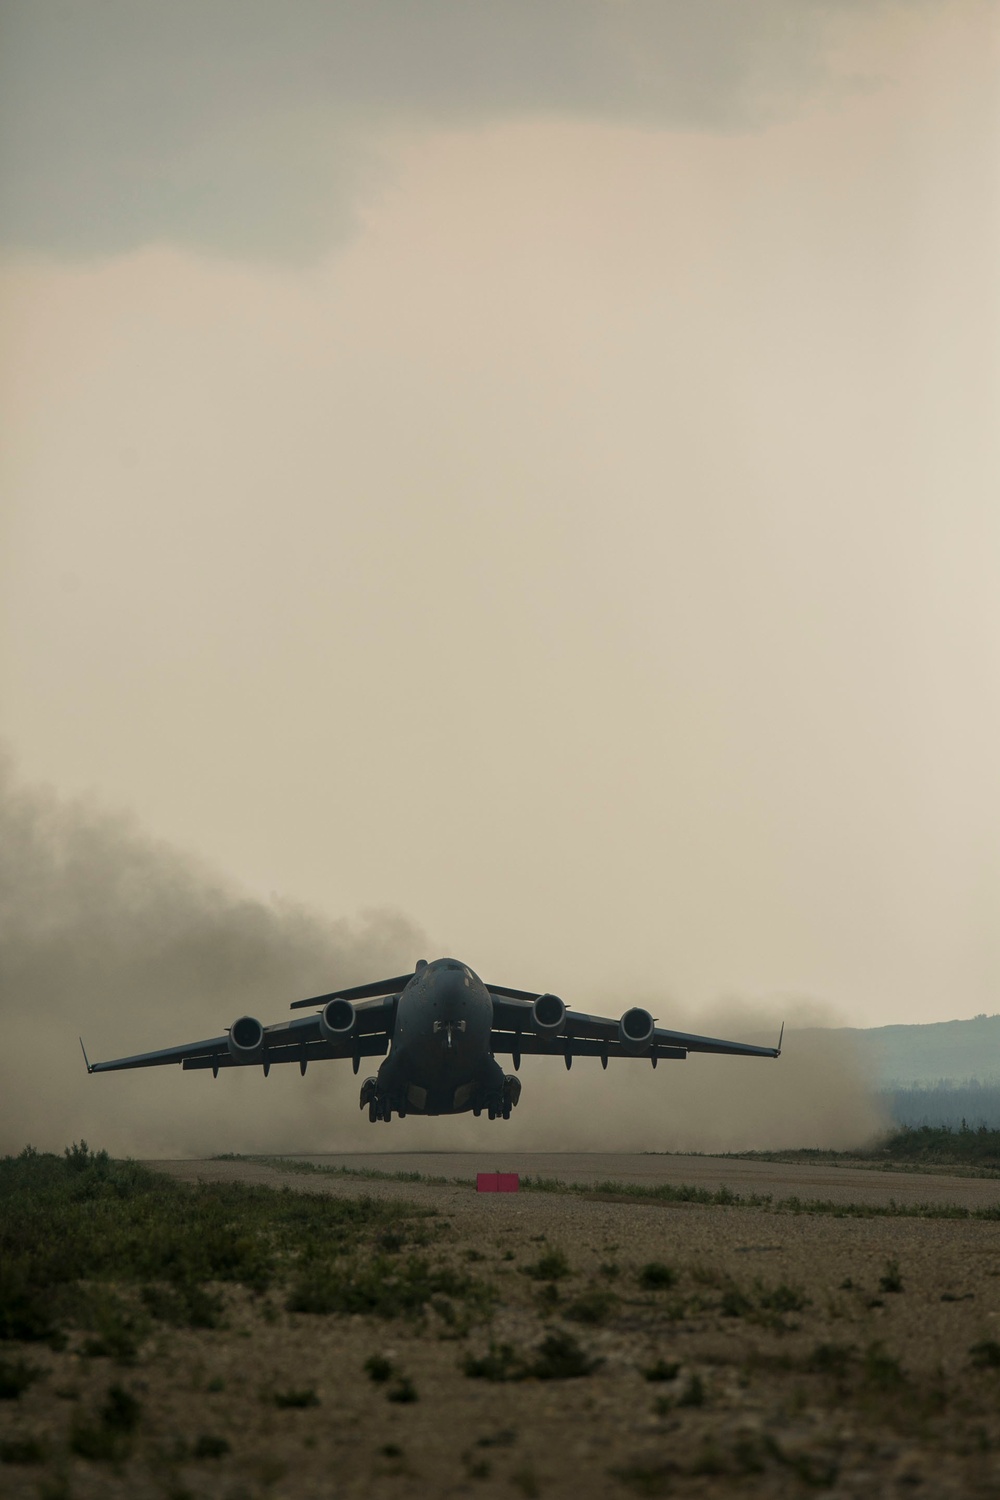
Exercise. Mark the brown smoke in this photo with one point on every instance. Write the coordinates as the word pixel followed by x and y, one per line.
pixel 107 932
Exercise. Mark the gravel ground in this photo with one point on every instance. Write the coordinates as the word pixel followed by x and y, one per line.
pixel 748 1400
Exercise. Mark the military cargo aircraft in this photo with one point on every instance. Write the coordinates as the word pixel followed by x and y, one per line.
pixel 439 1030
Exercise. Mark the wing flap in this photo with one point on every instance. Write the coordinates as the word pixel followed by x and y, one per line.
pixel 208 1050
pixel 369 1046
pixel 529 1044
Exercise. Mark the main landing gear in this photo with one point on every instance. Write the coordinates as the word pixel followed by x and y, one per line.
pixel 498 1102
pixel 378 1108
pixel 499 1105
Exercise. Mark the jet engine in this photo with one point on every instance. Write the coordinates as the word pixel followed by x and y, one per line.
pixel 548 1015
pixel 337 1020
pixel 635 1029
pixel 246 1039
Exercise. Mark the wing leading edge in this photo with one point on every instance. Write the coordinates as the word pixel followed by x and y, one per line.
pixel 300 1040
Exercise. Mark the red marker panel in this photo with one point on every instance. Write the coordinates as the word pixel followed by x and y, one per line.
pixel 497 1182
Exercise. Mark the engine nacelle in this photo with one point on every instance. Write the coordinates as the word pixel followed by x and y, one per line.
pixel 635 1029
pixel 548 1015
pixel 337 1020
pixel 246 1039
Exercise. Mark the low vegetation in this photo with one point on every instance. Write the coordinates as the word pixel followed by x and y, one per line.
pixel 971 1149
pixel 142 1318
pixel 112 1249
pixel 722 1197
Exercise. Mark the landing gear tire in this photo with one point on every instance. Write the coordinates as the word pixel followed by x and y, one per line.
pixel 372 1111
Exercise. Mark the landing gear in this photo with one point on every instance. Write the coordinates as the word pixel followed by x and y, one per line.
pixel 370 1096
pixel 379 1106
pixel 511 1094
pixel 499 1103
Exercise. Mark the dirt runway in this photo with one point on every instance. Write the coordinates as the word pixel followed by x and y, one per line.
pixel 848 1183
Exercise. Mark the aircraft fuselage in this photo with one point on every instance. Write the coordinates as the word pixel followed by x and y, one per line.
pixel 439 1060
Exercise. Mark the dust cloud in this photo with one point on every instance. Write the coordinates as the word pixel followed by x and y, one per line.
pixel 108 932
pixel 105 932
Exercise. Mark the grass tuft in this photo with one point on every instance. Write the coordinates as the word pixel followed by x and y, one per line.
pixel 293 1400
pixel 210 1446
pixel 891 1280
pixel 22 1450
pixel 656 1277
pixel 16 1375
pixel 552 1266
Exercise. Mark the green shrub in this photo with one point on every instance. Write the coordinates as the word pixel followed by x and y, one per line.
pixel 291 1400
pixel 498 1363
pixel 656 1277
pixel 385 1288
pixel 22 1450
pixel 185 1305
pixel 649 1479
pixel 209 1446
pixel 735 1304
pixel 891 1279
pixel 560 1357
pixel 693 1393
pixel 15 1377
pixel 782 1298
pixel 552 1266
pixel 830 1359
pixel 107 1440
pixel 882 1371
pixel 594 1306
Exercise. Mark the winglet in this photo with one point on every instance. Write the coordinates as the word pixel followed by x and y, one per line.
pixel 85 1057
pixel 781 1034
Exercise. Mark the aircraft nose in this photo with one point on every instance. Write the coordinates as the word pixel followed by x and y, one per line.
pixel 453 989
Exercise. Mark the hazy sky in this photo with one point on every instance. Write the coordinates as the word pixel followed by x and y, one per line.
pixel 530 467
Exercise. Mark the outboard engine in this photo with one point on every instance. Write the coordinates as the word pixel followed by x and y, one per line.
pixel 337 1020
pixel 548 1015
pixel 635 1029
pixel 246 1039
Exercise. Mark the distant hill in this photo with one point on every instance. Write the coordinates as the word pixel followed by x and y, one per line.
pixel 942 1073
pixel 952 1051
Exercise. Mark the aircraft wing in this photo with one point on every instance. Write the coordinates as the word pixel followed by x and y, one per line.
pixel 300 1040
pixel 583 1035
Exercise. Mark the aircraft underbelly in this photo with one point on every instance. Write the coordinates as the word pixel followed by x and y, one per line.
pixel 439 1061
